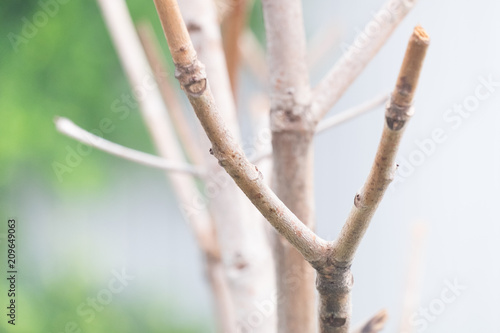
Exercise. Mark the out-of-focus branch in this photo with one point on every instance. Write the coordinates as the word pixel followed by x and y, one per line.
pixel 334 278
pixel 67 127
pixel 232 27
pixel 375 324
pixel 335 120
pixel 399 111
pixel 358 55
pixel 170 98
pixel 246 252
pixel 134 61
pixel 191 75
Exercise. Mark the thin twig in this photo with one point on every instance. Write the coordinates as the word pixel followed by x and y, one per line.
pixel 193 80
pixel 358 55
pixel 335 120
pixel 375 324
pixel 67 127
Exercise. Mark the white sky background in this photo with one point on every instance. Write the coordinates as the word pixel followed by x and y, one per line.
pixel 455 190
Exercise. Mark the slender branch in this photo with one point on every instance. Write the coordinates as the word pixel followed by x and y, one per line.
pixel 335 280
pixel 375 324
pixel 67 127
pixel 399 111
pixel 134 61
pixel 352 113
pixel 170 98
pixel 335 120
pixel 358 55
pixel 232 27
pixel 192 77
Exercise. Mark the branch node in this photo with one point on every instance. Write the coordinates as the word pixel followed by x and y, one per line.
pixel 192 78
pixel 396 115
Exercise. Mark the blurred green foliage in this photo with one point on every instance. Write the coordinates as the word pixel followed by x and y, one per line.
pixel 67 67
pixel 53 308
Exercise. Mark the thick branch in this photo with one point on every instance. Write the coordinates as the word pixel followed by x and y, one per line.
pixel 193 80
pixel 399 110
pixel 334 276
pixel 358 55
pixel 67 127
pixel 292 134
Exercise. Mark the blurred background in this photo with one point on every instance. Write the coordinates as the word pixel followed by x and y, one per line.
pixel 108 217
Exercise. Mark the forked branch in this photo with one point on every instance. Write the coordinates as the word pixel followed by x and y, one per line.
pixel 334 276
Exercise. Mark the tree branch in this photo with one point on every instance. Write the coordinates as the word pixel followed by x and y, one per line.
pixel 134 61
pixel 232 27
pixel 248 267
pixel 191 75
pixel 335 281
pixel 292 133
pixel 67 127
pixel 399 110
pixel 358 55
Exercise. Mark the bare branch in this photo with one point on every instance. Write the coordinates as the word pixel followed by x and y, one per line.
pixel 134 61
pixel 249 268
pixel 67 127
pixel 351 113
pixel 399 111
pixel 374 324
pixel 335 120
pixel 292 132
pixel 193 80
pixel 334 278
pixel 358 55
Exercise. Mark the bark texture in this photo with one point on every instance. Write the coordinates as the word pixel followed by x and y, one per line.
pixel 292 132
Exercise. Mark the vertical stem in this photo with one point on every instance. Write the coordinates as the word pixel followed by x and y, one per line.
pixel 292 132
